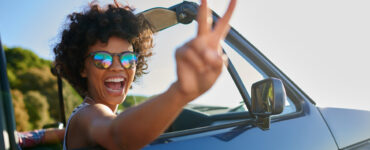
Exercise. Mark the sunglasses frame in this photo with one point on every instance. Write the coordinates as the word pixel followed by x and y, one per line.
pixel 92 54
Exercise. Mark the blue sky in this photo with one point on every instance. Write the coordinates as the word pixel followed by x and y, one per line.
pixel 321 45
pixel 33 24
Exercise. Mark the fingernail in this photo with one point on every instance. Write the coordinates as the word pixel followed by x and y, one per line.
pixel 225 59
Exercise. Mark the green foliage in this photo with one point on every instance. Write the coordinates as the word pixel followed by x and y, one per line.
pixel 22 59
pixel 30 76
pixel 12 78
pixel 42 80
pixel 132 100
pixel 37 108
pixel 71 98
pixel 5 47
pixel 19 113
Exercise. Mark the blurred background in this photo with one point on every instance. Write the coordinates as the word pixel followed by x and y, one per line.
pixel 321 45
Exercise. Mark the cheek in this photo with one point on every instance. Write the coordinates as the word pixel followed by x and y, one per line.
pixel 132 74
pixel 93 76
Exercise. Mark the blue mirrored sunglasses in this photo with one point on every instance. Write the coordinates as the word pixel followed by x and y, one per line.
pixel 104 60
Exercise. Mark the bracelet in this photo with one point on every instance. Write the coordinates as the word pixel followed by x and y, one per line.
pixel 31 138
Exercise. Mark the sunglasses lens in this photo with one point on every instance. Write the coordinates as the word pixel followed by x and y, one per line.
pixel 128 60
pixel 102 60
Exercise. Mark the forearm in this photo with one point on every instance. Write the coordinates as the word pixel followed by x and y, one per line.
pixel 42 136
pixel 142 124
pixel 31 138
pixel 53 136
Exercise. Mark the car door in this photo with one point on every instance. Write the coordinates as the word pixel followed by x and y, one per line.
pixel 220 119
pixel 7 121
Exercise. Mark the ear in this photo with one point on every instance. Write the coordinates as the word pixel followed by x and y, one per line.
pixel 131 48
pixel 83 73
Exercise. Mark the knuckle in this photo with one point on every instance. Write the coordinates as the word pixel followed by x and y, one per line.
pixel 188 53
pixel 180 50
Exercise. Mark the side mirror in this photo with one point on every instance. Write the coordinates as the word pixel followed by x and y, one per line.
pixel 268 98
pixel 159 18
pixel 162 18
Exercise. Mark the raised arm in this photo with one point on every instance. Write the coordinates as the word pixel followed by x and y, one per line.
pixel 199 63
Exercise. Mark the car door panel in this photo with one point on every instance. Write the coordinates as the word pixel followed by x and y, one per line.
pixel 349 126
pixel 307 131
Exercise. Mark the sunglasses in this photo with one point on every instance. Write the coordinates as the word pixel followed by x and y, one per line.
pixel 104 60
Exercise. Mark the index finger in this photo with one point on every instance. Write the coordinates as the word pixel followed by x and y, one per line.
pixel 222 25
pixel 202 18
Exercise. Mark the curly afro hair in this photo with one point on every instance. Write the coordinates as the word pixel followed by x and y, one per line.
pixel 99 24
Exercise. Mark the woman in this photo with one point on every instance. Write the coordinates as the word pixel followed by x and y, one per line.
pixel 104 50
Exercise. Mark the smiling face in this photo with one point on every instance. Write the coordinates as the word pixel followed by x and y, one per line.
pixel 108 86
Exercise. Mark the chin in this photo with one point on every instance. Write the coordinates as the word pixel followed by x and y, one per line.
pixel 116 100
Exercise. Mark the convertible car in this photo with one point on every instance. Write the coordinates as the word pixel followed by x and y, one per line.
pixel 253 105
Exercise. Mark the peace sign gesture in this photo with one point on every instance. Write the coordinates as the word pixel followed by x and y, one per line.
pixel 199 61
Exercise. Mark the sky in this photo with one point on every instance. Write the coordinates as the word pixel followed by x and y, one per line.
pixel 321 45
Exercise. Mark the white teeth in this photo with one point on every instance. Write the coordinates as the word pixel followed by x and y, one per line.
pixel 115 80
pixel 113 89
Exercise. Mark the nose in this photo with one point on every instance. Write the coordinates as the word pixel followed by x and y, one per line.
pixel 116 64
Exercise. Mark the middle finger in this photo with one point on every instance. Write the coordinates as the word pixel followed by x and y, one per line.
pixel 222 26
pixel 204 20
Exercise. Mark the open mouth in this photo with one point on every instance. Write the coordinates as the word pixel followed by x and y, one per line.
pixel 115 84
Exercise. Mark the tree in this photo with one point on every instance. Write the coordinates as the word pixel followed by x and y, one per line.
pixel 132 100
pixel 40 79
pixel 37 108
pixel 27 72
pixel 12 78
pixel 71 98
pixel 21 59
pixel 21 116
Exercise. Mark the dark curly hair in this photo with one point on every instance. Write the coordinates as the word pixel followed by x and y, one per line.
pixel 99 24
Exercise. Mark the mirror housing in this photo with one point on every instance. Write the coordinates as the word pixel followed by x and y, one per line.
pixel 268 98
pixel 162 18
pixel 159 18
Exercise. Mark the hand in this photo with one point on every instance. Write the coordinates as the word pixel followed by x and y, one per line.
pixel 199 61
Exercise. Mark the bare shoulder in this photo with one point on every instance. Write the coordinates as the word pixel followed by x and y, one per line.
pixel 86 117
pixel 88 124
pixel 95 112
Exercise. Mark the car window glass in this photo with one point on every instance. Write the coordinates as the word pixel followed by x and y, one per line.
pixel 221 98
pixel 250 73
